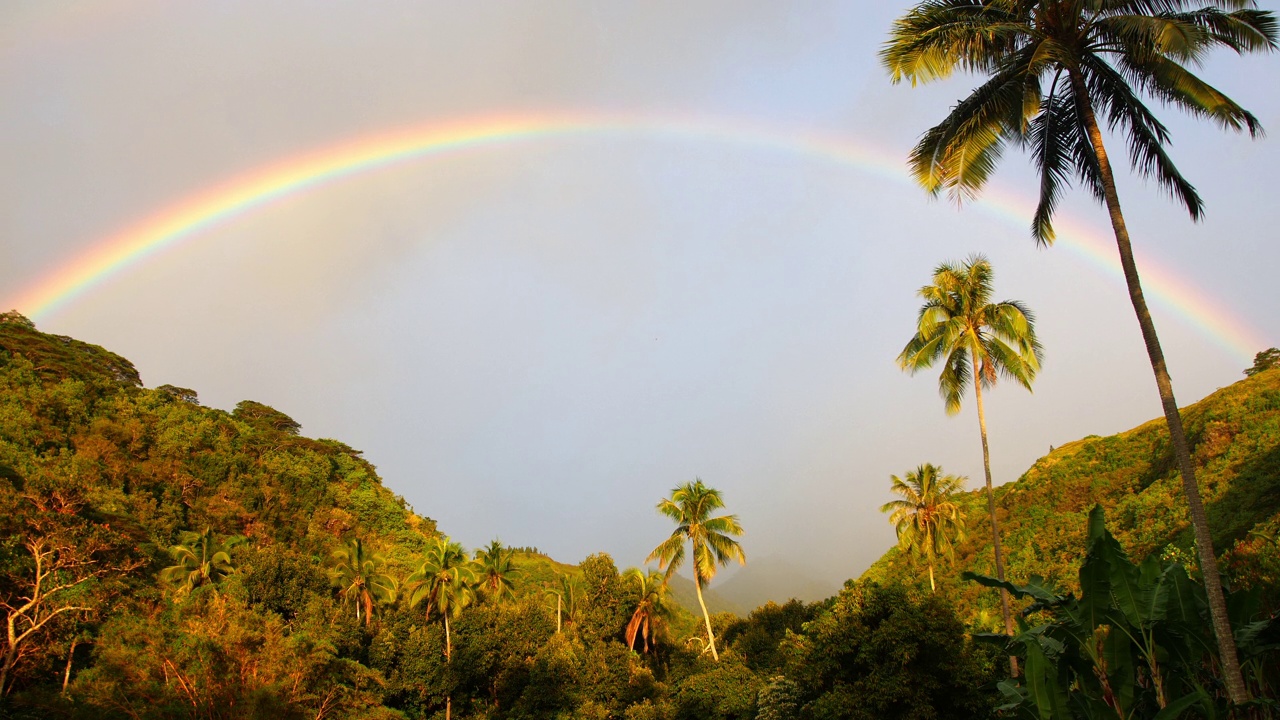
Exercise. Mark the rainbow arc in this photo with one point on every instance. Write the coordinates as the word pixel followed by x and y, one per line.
pixel 253 191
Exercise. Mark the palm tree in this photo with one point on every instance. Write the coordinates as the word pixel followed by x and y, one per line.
pixel 926 519
pixel 199 559
pixel 651 608
pixel 974 337
pixel 690 508
pixel 568 597
pixel 358 577
pixel 497 570
pixel 446 582
pixel 1053 65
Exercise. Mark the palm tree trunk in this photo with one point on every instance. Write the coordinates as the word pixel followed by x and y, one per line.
pixel 1199 520
pixel 448 658
pixel 697 585
pixel 558 598
pixel 991 509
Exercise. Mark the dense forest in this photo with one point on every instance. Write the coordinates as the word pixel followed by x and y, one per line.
pixel 165 559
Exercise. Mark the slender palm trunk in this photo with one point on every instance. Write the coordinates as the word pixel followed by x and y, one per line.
pixel 1199 520
pixel 697 585
pixel 991 509
pixel 558 598
pixel 448 659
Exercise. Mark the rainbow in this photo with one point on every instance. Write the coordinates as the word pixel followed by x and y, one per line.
pixel 193 215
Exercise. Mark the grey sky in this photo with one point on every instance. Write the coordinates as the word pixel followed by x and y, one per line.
pixel 538 340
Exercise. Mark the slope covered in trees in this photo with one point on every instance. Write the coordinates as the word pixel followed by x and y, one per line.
pixel 162 559
pixel 1235 441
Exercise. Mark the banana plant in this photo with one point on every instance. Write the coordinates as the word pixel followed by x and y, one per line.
pixel 1137 643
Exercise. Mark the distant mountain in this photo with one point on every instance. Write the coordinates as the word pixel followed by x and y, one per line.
pixel 774 578
pixel 686 596
pixel 749 587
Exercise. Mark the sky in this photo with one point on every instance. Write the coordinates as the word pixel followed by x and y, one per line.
pixel 700 261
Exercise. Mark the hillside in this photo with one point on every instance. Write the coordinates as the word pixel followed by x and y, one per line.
pixel 1235 436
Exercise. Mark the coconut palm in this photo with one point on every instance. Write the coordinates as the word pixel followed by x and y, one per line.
pixel 973 337
pixel 200 558
pixel 497 570
pixel 690 508
pixel 445 583
pixel 568 596
pixel 358 576
pixel 926 519
pixel 651 608
pixel 1053 66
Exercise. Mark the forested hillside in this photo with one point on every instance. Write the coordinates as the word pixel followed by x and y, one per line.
pixel 163 559
pixel 1043 516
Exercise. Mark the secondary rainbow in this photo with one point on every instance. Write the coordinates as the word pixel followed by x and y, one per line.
pixel 190 217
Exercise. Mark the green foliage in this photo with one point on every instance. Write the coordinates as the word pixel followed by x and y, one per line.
pixel 1263 361
pixel 214 657
pixel 1235 436
pixel 885 652
pixel 199 558
pixel 361 579
pixel 726 691
pixel 278 579
pixel 927 521
pixel 779 699
pixel 1137 643
pixel 265 417
pixel 759 639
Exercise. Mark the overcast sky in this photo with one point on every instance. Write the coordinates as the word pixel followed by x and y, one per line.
pixel 537 340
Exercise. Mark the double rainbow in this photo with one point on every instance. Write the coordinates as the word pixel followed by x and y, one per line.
pixel 190 217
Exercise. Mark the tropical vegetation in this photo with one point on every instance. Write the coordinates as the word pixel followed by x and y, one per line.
pixel 1057 72
pixel 926 519
pixel 977 341
pixel 710 540
pixel 163 559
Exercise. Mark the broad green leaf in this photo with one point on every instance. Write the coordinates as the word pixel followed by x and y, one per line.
pixel 1176 708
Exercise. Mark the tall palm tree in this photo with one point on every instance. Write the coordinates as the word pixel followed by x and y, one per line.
pixel 497 570
pixel 974 337
pixel 1053 66
pixel 198 559
pixel 358 576
pixel 445 583
pixel 926 519
pixel 651 608
pixel 690 508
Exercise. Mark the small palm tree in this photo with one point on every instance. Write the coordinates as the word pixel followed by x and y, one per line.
pixel 567 594
pixel 199 558
pixel 975 339
pixel 1053 67
pixel 359 578
pixel 497 570
pixel 709 538
pixel 446 584
pixel 651 606
pixel 926 519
